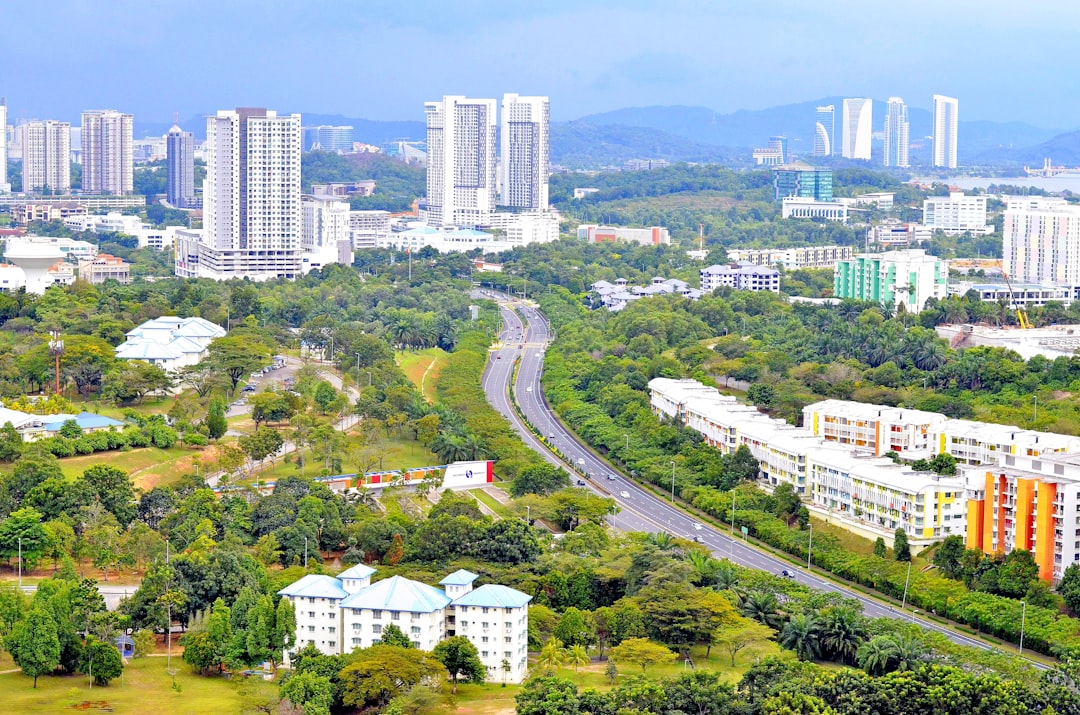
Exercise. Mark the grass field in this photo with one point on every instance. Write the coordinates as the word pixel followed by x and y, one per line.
pixel 147 689
pixel 148 466
pixel 422 367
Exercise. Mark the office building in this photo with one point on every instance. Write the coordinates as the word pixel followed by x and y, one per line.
pixel 899 234
pixel 802 207
pixel 524 143
pixel 180 154
pixel 461 161
pixel 894 278
pixel 774 154
pixel 345 189
pixel 956 214
pixel 825 131
pixel 946 110
pixel 800 179
pixel 251 200
pixel 104 267
pixel 1042 244
pixel 325 235
pixel 4 185
pixel 793 259
pixel 653 236
pixel 740 276
pixel 328 138
pixel 339 614
pixel 1026 502
pixel 46 151
pixel 367 227
pixel 858 128
pixel 107 159
pixel 896 133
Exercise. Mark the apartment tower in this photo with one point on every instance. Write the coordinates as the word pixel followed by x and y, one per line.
pixel 896 133
pixel 180 150
pixel 825 131
pixel 107 158
pixel 46 151
pixel 858 123
pixel 461 161
pixel 524 163
pixel 4 185
pixel 946 110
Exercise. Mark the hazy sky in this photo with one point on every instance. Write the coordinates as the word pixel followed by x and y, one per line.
pixel 381 59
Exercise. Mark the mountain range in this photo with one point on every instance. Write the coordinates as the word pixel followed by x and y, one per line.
pixel 683 133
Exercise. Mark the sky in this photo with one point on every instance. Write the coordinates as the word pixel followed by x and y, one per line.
pixel 382 59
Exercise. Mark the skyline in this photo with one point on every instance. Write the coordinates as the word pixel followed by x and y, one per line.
pixel 556 50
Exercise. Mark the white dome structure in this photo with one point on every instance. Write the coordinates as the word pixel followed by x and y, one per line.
pixel 35 259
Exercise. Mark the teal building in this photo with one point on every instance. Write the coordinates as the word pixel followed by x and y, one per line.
pixel 800 179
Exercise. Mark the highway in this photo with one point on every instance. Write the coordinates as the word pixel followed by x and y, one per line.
pixel 525 336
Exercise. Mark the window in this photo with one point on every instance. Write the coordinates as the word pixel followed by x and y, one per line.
pixel 332 629
pixel 356 641
pixel 311 614
pixel 356 626
pixel 376 615
pixel 485 610
pixel 311 629
pixel 376 628
pixel 484 653
pixel 415 630
pixel 484 639
pixel 484 624
pixel 507 654
pixel 416 644
pixel 508 639
pixel 395 615
pixel 332 644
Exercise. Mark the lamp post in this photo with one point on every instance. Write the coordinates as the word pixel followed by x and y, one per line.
pixel 357 364
pixel 528 514
pixel 627 443
pixel 673 482
pixel 1036 417
pixel 732 553
pixel 810 546
pixel 20 563
pixel 305 552
pixel 1023 620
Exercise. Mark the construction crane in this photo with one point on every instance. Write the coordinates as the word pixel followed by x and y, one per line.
pixel 1021 316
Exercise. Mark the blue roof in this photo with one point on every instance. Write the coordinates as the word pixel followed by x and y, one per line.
pixel 85 420
pixel 358 571
pixel 398 594
pixel 492 595
pixel 461 577
pixel 315 586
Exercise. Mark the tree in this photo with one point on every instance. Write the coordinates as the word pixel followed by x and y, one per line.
pixel 325 397
pixel 552 655
pixel 24 525
pixel 215 419
pixel 112 487
pixel 260 445
pixel 700 693
pixel 131 380
pixel 641 652
pixel 877 655
pixel 144 642
pixel 949 557
pixel 11 443
pixel 802 634
pixel 101 660
pixel 1069 587
pixel 741 636
pixel 548 696
pixel 576 628
pixel 461 659
pixel 901 550
pixel 271 406
pixel 880 550
pixel 540 479
pixel 235 356
pixel 843 630
pixel 380 673
pixel 314 694
pixel 577 656
pixel 34 644
pixel 392 635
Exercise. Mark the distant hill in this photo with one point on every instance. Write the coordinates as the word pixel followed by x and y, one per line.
pixel 1063 150
pixel 584 145
pixel 364 130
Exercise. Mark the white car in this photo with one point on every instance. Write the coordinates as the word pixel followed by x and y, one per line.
pixel 697 526
pixel 624 494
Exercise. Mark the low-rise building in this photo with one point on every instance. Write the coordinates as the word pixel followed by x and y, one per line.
pixel 616 296
pixel 899 234
pixel 653 236
pixel 169 341
pixel 12 278
pixel 956 214
pixel 1025 295
pixel 893 278
pixel 582 192
pixel 338 615
pixel 344 189
pixel 104 267
pixel 802 207
pixel 368 228
pixel 793 259
pixel 742 275
pixel 1052 341
pixel 25 213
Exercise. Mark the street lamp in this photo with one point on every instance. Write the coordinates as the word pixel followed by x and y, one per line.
pixel 20 563
pixel 357 364
pixel 1023 620
pixel 673 482
pixel 1036 417
pixel 627 443
pixel 528 514
pixel 907 579
pixel 733 524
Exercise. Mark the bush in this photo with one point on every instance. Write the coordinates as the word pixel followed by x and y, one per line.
pixel 195 439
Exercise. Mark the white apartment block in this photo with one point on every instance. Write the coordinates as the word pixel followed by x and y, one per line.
pixel 946 123
pixel 4 185
pixel 367 227
pixel 1041 243
pixel 899 234
pixel 525 142
pixel 652 236
pixel 461 161
pixel 46 150
pixel 521 229
pixel 252 217
pixel 793 259
pixel 325 237
pixel 740 276
pixel 107 158
pixel 857 128
pixel 957 214
pixel 805 207
pixel 972 442
pixel 339 615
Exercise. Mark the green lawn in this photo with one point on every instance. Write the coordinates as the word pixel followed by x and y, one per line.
pixel 149 466
pixel 418 363
pixel 147 689
pixel 490 502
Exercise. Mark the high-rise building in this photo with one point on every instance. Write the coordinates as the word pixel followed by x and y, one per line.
pixel 896 133
pixel 946 110
pixel 524 161
pixel 825 131
pixel 251 199
pixel 1039 244
pixel 956 214
pixel 328 138
pixel 325 233
pixel 46 150
pixel 800 179
pixel 4 185
pixel 461 161
pixel 107 158
pixel 858 126
pixel 180 150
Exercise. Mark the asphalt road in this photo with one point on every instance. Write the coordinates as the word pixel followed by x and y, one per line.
pixel 640 510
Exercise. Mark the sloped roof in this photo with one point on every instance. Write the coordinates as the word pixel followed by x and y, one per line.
pixel 315 586
pixel 141 349
pixel 398 594
pixel 85 420
pixel 16 418
pixel 492 595
pixel 461 577
pixel 358 571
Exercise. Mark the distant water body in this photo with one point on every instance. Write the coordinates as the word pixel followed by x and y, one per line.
pixel 1047 183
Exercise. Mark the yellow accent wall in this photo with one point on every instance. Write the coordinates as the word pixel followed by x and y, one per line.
pixel 941 439
pixel 877 438
pixel 1044 538
pixel 975 508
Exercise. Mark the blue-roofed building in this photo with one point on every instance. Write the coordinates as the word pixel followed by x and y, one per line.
pixel 50 425
pixel 338 615
pixel 169 341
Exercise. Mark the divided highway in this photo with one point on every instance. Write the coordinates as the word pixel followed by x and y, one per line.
pixel 524 338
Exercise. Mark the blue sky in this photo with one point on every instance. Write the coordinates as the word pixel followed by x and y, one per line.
pixel 381 59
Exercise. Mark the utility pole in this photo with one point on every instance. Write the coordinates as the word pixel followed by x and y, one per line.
pixel 1023 621
pixel 732 524
pixel 20 563
pixel 56 348
pixel 357 365
pixel 907 580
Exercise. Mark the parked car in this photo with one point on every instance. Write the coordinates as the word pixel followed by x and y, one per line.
pixel 247 388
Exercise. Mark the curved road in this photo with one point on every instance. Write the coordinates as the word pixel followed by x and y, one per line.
pixel 640 510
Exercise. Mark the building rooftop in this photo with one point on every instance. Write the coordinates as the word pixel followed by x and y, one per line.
pixel 359 571
pixel 398 594
pixel 492 595
pixel 461 577
pixel 85 420
pixel 315 586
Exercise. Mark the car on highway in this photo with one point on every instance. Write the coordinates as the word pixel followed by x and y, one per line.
pixel 528 389
pixel 611 477
pixel 787 574
pixel 699 540
pixel 581 482
pixel 697 526
pixel 624 494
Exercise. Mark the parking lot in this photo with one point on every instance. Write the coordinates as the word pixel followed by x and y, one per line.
pixel 280 374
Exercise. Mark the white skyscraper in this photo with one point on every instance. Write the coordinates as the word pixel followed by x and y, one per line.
pixel 824 131
pixel 46 151
pixel 524 146
pixel 325 235
pixel 896 133
pixel 251 199
pixel 180 154
pixel 107 159
pixel 858 123
pixel 4 185
pixel 461 161
pixel 946 110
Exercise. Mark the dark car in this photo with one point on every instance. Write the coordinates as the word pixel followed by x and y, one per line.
pixel 248 388
pixel 581 482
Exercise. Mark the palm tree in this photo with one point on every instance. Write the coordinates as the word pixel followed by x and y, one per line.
pixel 843 631
pixel 661 540
pixel 908 651
pixel 726 576
pixel 762 607
pixel 705 567
pixel 877 656
pixel 577 657
pixel 802 634
pixel 552 655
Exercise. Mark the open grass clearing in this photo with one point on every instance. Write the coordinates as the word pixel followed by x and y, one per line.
pixel 422 367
